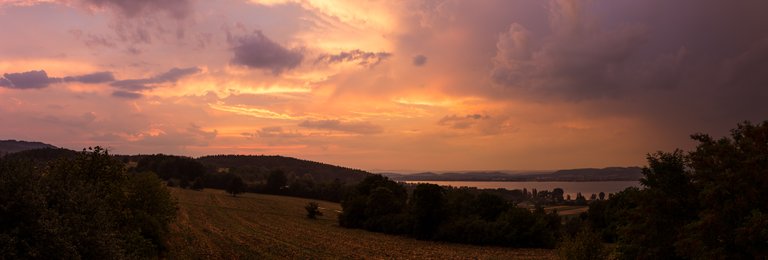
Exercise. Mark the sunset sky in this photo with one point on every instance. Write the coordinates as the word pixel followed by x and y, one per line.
pixel 384 84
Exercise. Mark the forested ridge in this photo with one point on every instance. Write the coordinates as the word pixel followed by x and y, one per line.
pixel 706 203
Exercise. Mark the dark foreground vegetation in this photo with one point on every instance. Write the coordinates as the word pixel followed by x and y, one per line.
pixel 212 224
pixel 250 173
pixel 84 206
pixel 432 212
pixel 709 203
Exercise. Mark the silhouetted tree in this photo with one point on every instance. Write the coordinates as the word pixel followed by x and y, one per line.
pixel 236 186
pixel 709 203
pixel 276 181
pixel 313 210
pixel 86 206
pixel 426 206
pixel 557 194
pixel 198 184
pixel 580 200
pixel 489 206
pixel 586 245
pixel 373 198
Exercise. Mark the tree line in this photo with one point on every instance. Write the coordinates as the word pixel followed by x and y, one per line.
pixel 83 206
pixel 707 203
pixel 186 172
pixel 433 212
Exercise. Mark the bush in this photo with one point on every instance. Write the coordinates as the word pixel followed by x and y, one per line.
pixel 85 207
pixel 313 210
pixel 586 245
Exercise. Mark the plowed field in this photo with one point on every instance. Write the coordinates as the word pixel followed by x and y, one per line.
pixel 214 225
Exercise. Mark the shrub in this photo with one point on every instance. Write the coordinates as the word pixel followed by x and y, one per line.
pixel 313 210
pixel 586 245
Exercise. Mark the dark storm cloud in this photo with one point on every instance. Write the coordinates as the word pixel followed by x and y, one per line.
pixel 337 125
pixel 419 60
pixel 26 80
pixel 177 9
pixel 575 62
pixel 687 65
pixel 93 78
pixel 362 58
pixel 259 52
pixel 39 79
pixel 172 75
pixel 126 94
pixel 620 48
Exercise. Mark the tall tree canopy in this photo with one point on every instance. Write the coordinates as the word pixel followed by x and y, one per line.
pixel 709 203
pixel 84 207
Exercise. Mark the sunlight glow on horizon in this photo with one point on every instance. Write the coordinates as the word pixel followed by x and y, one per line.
pixel 417 85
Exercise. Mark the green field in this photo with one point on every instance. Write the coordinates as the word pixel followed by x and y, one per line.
pixel 214 225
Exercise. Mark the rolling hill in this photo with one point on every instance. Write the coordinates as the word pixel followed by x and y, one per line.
pixel 214 225
pixel 320 172
pixel 13 146
pixel 583 174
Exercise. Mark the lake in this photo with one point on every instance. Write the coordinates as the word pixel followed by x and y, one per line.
pixel 587 188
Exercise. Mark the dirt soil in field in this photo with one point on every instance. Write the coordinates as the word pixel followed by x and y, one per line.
pixel 214 225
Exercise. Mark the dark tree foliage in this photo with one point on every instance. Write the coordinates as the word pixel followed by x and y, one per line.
pixel 83 207
pixel 585 245
pixel 313 210
pixel 557 194
pixel 198 184
pixel 276 181
pixel 710 203
pixel 580 200
pixel 448 214
pixel 375 199
pixel 171 167
pixel 489 206
pixel 236 186
pixel 665 206
pixel 320 172
pixel 426 207
pixel 606 217
pixel 261 174
pixel 730 183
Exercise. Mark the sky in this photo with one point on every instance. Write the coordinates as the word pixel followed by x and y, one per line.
pixel 384 85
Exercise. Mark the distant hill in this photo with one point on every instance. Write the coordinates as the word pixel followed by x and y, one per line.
pixel 13 146
pixel 585 174
pixel 43 155
pixel 320 172
pixel 459 176
pixel 592 174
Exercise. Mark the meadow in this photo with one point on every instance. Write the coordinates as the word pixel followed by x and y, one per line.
pixel 212 224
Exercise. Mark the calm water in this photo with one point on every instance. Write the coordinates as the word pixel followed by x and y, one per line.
pixel 586 188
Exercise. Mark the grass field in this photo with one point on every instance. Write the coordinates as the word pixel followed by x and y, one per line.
pixel 214 225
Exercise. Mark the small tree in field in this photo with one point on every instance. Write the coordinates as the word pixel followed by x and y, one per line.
pixel 236 186
pixel 313 210
pixel 198 184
